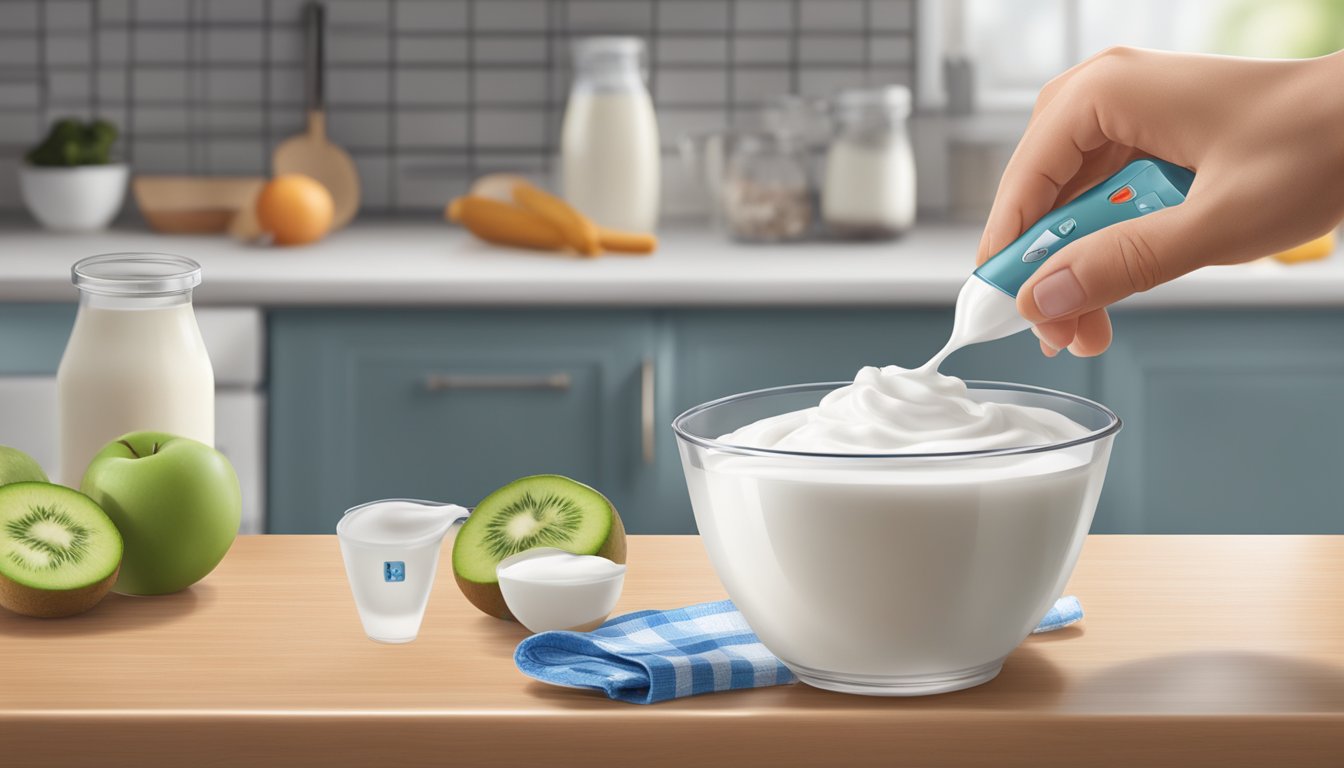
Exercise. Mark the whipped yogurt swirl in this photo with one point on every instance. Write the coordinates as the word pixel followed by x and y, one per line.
pixel 900 410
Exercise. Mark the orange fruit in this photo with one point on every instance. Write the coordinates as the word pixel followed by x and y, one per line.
pixel 1309 251
pixel 295 209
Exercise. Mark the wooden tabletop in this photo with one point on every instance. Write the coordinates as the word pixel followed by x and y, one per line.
pixel 1195 651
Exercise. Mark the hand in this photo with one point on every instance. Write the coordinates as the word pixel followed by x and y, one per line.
pixel 1264 137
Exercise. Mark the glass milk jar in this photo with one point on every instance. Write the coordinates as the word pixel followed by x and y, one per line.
pixel 609 151
pixel 135 360
pixel 870 168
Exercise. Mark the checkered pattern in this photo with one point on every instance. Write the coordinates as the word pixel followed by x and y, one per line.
pixel 651 656
pixel 1066 610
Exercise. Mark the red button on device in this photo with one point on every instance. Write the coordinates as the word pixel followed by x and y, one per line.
pixel 1122 195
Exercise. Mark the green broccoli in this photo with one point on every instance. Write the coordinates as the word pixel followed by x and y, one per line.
pixel 73 142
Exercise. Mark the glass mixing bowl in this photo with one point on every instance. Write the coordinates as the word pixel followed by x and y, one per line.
pixel 893 574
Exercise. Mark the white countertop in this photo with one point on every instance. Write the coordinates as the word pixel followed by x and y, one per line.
pixel 432 264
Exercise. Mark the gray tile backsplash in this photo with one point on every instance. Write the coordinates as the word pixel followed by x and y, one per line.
pixel 425 94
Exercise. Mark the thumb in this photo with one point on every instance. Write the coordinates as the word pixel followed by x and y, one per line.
pixel 1110 264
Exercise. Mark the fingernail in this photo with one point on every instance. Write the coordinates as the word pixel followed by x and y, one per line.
pixel 1043 340
pixel 1058 294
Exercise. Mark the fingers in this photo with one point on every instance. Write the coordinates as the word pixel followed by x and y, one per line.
pixel 1058 334
pixel 1126 258
pixel 1087 335
pixel 1049 155
pixel 1094 334
pixel 1098 165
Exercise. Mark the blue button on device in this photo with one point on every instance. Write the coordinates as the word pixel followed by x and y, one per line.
pixel 1066 226
pixel 394 570
pixel 1149 203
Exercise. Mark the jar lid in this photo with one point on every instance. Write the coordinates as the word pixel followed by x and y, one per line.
pixel 607 45
pixel 136 274
pixel 895 98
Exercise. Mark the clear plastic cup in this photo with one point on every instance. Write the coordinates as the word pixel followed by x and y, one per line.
pixel 391 552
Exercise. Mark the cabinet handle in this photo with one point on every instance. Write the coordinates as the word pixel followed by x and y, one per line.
pixel 646 410
pixel 440 382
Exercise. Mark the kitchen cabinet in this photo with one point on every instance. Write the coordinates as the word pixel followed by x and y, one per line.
pixel 33 336
pixel 1232 417
pixel 355 417
pixel 721 353
pixel 451 405
pixel 1233 423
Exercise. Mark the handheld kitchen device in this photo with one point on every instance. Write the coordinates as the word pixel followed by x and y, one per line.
pixel 987 304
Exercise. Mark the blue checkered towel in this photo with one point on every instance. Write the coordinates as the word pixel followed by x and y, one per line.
pixel 651 656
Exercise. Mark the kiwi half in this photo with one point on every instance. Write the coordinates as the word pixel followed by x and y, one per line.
pixel 536 511
pixel 59 552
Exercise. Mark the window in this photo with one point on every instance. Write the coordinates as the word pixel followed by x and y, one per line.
pixel 1017 46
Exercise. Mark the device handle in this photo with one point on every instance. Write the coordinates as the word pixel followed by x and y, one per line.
pixel 1138 189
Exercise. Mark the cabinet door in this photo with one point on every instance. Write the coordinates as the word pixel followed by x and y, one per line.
pixel 33 336
pixel 449 406
pixel 1233 423
pixel 720 353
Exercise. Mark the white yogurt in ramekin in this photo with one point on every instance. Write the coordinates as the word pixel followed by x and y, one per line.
pixel 548 589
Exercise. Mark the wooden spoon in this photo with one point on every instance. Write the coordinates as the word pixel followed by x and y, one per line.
pixel 311 153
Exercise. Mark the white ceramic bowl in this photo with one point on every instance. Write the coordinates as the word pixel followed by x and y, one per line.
pixel 896 574
pixel 579 602
pixel 81 198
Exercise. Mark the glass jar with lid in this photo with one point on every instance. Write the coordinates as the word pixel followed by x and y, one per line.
pixel 609 152
pixel 135 360
pixel 766 189
pixel 869 192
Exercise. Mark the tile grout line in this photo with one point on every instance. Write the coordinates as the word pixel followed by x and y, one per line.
pixel 795 43
pixel 266 124
pixel 41 69
pixel 472 160
pixel 130 80
pixel 93 59
pixel 730 87
pixel 393 165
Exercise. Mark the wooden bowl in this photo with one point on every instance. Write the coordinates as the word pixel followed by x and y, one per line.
pixel 194 204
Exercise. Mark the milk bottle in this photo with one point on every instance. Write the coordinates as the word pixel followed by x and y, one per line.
pixel 135 359
pixel 609 152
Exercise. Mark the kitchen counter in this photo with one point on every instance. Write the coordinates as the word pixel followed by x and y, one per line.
pixel 433 264
pixel 1216 651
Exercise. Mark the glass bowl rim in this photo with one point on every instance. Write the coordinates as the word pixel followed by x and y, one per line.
pixel 678 425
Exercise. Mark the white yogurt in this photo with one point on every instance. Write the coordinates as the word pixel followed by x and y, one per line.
pixel 556 567
pixel 898 410
pixel 549 588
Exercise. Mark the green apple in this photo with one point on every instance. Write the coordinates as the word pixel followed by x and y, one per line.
pixel 18 467
pixel 175 501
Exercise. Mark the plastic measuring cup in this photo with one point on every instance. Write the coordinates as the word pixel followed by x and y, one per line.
pixel 391 552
